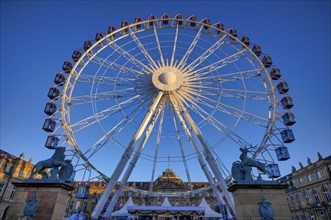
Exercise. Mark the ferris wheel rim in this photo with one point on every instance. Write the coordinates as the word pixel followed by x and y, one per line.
pixel 66 111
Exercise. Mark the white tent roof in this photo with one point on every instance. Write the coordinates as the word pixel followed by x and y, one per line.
pixel 209 213
pixel 124 211
pixel 166 202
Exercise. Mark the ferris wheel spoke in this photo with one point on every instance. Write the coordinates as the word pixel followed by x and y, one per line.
pixel 181 148
pixel 108 80
pixel 144 68
pixel 115 130
pixel 239 75
pixel 213 121
pixel 232 111
pixel 158 46
pixel 101 96
pixel 245 94
pixel 194 64
pixel 183 61
pixel 158 139
pixel 113 65
pixel 152 63
pixel 99 116
pixel 174 47
pixel 219 64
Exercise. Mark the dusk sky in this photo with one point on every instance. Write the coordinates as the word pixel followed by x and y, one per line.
pixel 38 36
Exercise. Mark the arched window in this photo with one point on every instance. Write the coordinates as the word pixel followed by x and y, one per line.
pixel 326 194
pixel 312 216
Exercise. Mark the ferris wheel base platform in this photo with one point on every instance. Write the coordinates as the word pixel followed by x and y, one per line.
pixel 50 201
pixel 252 199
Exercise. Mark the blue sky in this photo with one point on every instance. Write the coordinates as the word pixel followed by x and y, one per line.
pixel 37 36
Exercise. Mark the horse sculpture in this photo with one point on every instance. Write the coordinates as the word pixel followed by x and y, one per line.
pixel 55 161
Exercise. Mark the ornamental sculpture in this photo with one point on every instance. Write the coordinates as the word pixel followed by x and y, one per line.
pixel 60 169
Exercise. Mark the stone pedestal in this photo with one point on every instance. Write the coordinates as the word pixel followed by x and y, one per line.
pixel 52 198
pixel 248 196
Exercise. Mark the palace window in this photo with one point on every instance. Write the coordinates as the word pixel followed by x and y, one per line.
pixel 7 168
pixel 77 206
pixel 21 172
pixel 298 199
pixel 1 187
pixel 307 198
pixel 300 180
pixel 84 207
pixel 309 178
pixel 12 193
pixel 322 215
pixel 312 216
pixel 325 192
pixel 317 199
pixel 318 174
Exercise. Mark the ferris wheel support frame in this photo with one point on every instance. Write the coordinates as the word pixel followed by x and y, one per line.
pixel 136 156
pixel 125 158
pixel 208 156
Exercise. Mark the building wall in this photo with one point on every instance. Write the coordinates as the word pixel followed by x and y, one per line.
pixel 309 191
pixel 12 169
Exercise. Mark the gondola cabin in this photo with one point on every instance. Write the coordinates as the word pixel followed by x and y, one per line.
pixel 287 102
pixel 83 190
pixel 151 19
pixel 53 93
pixel 137 20
pixel 50 108
pixel 288 118
pixel 59 79
pixel 76 55
pixel 49 125
pixel 179 19
pixel 165 18
pixel 111 29
pixel 287 135
pixel 206 22
pixel 67 66
pixel 273 170
pixel 282 87
pixel 282 153
pixel 124 25
pixel 245 40
pixel 257 50
pixel 87 45
pixel 219 27
pixel 98 36
pixel 266 60
pixel 51 142
pixel 233 32
pixel 193 19
pixel 275 73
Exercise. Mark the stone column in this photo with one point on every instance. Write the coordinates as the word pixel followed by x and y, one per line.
pixel 248 196
pixel 51 200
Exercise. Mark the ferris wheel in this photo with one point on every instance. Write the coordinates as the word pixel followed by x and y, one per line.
pixel 168 90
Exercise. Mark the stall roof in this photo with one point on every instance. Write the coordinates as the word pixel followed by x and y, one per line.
pixel 209 213
pixel 124 211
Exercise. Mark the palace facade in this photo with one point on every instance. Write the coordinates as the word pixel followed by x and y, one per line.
pixel 12 169
pixel 167 182
pixel 309 190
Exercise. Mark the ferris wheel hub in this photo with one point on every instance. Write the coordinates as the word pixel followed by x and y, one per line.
pixel 167 78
